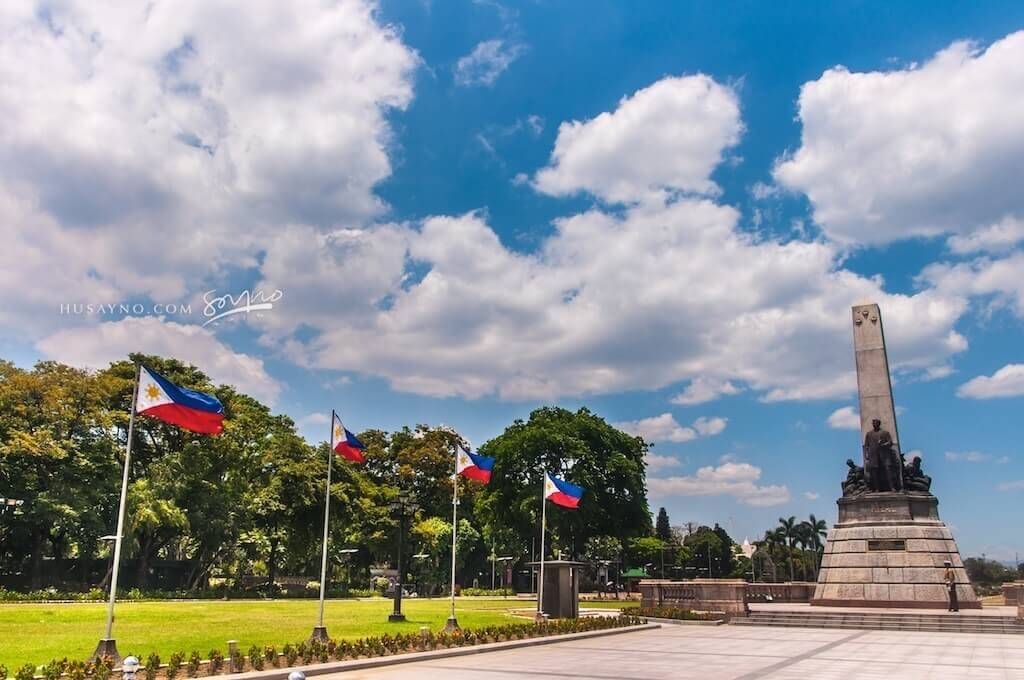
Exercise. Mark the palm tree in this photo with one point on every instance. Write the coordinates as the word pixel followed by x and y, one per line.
pixel 787 527
pixel 818 530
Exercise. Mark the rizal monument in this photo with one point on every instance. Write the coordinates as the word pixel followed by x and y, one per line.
pixel 889 547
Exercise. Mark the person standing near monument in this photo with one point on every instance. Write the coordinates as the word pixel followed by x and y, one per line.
pixel 950 578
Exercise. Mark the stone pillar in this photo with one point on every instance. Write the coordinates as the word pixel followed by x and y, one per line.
pixel 873 383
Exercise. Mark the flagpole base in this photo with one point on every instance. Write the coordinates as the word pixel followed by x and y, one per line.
pixel 396 618
pixel 452 625
pixel 319 634
pixel 107 648
pixel 540 617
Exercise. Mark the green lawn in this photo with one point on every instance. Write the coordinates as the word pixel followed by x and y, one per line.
pixel 36 633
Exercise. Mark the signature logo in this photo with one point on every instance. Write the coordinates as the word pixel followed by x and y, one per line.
pixel 220 306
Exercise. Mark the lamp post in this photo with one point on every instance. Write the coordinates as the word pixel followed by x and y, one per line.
pixel 403 506
pixel 346 554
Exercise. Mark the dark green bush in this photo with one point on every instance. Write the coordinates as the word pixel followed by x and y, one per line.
pixel 26 672
pixel 194 662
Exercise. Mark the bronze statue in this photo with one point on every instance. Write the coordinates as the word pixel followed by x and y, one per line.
pixel 882 466
pixel 855 483
pixel 914 479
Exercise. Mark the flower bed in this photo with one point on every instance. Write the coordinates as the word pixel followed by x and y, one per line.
pixel 309 652
pixel 676 613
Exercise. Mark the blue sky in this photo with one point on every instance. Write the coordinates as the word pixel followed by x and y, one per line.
pixel 474 208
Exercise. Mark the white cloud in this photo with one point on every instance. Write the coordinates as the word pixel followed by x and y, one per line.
pixel 738 480
pixel 1016 485
pixel 309 419
pixel 663 428
pixel 974 457
pixel 998 279
pixel 845 418
pixel 812 495
pixel 656 462
pixel 1008 381
pixel 486 62
pixel 998 237
pixel 703 389
pixel 924 150
pixel 709 427
pixel 129 127
pixel 666 137
pixel 97 346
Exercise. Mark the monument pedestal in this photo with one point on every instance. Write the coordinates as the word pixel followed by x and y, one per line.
pixel 888 550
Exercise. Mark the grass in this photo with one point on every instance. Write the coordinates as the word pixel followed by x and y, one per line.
pixel 37 633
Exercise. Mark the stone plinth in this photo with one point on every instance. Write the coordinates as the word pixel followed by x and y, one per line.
pixel 703 594
pixel 1013 593
pixel 889 550
pixel 561 588
pixel 789 592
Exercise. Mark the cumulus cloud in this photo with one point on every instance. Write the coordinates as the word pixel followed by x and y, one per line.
pixel 845 418
pixel 664 138
pixel 665 428
pixel 995 279
pixel 738 480
pixel 97 346
pixel 1015 485
pixel 1008 381
pixel 920 151
pixel 812 495
pixel 703 389
pixel 124 125
pixel 486 62
pixel 656 462
pixel 998 237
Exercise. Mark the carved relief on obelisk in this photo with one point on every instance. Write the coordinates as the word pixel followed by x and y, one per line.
pixel 873 383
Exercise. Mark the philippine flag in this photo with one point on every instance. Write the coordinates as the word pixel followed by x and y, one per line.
pixel 345 443
pixel 561 492
pixel 473 466
pixel 160 398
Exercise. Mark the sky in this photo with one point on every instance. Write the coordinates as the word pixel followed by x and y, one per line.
pixel 460 211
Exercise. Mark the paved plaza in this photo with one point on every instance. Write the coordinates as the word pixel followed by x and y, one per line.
pixel 738 653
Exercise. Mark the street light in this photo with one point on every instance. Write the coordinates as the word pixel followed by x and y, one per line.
pixel 403 506
pixel 346 553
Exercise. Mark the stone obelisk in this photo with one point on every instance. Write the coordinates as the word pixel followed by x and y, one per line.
pixel 874 386
pixel 889 547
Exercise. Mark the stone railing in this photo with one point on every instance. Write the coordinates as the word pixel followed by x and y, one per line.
pixel 1013 593
pixel 794 591
pixel 703 594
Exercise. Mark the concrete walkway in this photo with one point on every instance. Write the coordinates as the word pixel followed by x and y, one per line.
pixel 737 653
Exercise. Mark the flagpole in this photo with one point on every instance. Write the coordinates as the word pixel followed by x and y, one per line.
pixel 543 530
pixel 320 631
pixel 453 623
pixel 108 645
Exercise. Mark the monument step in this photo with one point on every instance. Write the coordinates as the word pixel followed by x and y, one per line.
pixel 899 621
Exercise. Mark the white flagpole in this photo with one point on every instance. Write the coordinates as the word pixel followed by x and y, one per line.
pixel 118 539
pixel 453 623
pixel 543 530
pixel 320 630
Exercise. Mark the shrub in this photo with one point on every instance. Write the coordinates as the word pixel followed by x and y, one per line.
pixel 194 662
pixel 174 664
pixel 216 662
pixel 237 661
pixel 26 672
pixel 270 655
pixel 676 613
pixel 53 670
pixel 103 668
pixel 76 670
pixel 152 666
pixel 256 658
pixel 291 655
pixel 3 672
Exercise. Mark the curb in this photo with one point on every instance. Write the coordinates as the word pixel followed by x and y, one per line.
pixel 378 662
pixel 685 622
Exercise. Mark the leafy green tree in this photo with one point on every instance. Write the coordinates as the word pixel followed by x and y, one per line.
pixel 585 450
pixel 647 550
pixel 705 548
pixel 788 528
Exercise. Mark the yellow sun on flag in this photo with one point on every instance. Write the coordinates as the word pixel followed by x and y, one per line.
pixel 337 432
pixel 152 392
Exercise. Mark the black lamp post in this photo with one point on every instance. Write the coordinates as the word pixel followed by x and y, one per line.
pixel 403 506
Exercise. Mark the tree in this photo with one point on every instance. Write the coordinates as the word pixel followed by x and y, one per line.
pixel 789 533
pixel 815 531
pixel 662 528
pixel 705 547
pixel 647 550
pixel 585 450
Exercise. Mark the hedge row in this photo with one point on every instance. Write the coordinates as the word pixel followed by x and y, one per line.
pixel 307 652
pixel 676 613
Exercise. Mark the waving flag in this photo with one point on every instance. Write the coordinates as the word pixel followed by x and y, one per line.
pixel 561 492
pixel 473 466
pixel 345 443
pixel 160 398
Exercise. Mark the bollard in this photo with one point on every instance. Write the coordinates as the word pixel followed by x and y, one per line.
pixel 232 655
pixel 296 675
pixel 129 668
